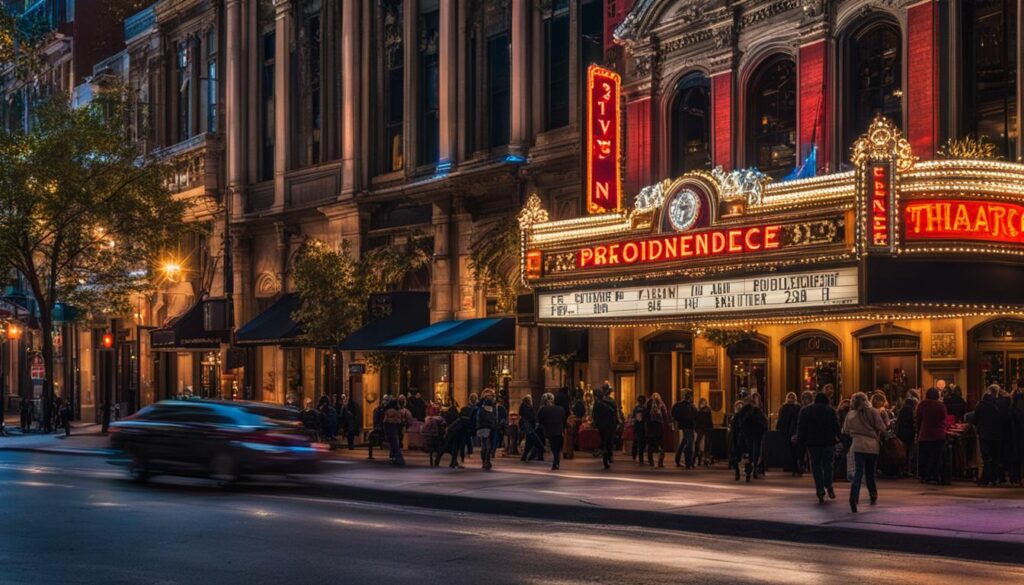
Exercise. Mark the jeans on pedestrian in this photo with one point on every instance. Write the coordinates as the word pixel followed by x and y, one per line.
pixel 990 457
pixel 701 447
pixel 930 460
pixel 394 434
pixel 866 465
pixel 686 446
pixel 821 467
pixel 639 445
pixel 556 444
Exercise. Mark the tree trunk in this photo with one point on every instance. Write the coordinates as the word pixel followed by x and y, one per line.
pixel 46 321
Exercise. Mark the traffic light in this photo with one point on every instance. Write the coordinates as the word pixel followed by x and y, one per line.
pixel 108 340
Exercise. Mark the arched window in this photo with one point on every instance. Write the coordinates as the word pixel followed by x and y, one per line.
pixel 872 79
pixel 691 124
pixel 771 121
pixel 990 48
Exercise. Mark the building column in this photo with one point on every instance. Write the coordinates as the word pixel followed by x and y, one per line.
pixel 350 74
pixel 922 103
pixel 410 71
pixel 235 107
pixel 282 38
pixel 813 99
pixel 448 72
pixel 441 266
pixel 520 74
pixel 599 353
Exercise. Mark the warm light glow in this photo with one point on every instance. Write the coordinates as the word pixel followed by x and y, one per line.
pixel 13 332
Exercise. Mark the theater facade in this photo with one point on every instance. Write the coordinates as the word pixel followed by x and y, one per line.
pixel 891 276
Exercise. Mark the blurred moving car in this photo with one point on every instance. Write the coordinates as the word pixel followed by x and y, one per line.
pixel 222 440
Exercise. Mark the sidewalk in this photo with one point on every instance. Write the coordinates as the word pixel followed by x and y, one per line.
pixel 85 439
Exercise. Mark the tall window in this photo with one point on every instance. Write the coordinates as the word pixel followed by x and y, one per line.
pixel 211 81
pixel 873 66
pixel 771 122
pixel 990 65
pixel 591 34
pixel 393 85
pixel 308 126
pixel 429 123
pixel 556 66
pixel 268 42
pixel 691 124
pixel 499 89
pixel 183 65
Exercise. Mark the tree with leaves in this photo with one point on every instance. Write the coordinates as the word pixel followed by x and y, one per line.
pixel 82 219
pixel 494 261
pixel 333 299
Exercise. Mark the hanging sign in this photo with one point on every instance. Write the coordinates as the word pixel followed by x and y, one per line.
pixel 37 369
pixel 604 141
pixel 802 290
pixel 963 220
pixel 879 189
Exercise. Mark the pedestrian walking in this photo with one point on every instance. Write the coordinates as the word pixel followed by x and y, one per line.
pixel 393 431
pixel 989 423
pixel 433 432
pixel 786 425
pixel 818 432
pixel 65 417
pixel 637 423
pixel 735 438
pixel 486 424
pixel 930 420
pixel 349 420
pixel 703 426
pixel 454 438
pixel 377 420
pixel 551 419
pixel 655 417
pixel 864 424
pixel 416 405
pixel 26 415
pixel 684 413
pixel 533 447
pixel 754 424
pixel 606 419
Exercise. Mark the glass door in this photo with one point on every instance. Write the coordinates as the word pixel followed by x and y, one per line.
pixel 1005 368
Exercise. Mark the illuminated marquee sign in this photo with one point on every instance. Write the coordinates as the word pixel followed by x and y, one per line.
pixel 682 246
pixel 963 220
pixel 604 143
pixel 803 290
pixel 879 183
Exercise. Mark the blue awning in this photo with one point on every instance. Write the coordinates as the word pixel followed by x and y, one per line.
pixel 487 335
pixel 274 326
pixel 390 315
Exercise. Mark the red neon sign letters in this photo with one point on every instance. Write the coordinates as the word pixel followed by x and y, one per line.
pixel 681 247
pixel 604 142
pixel 878 179
pixel 963 220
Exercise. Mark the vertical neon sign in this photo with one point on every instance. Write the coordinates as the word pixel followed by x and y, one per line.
pixel 604 141
pixel 878 179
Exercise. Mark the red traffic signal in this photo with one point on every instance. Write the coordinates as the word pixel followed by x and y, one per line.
pixel 108 340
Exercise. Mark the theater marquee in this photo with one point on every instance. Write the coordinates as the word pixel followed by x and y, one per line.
pixel 802 290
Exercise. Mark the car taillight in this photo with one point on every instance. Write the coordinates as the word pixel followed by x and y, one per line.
pixel 272 438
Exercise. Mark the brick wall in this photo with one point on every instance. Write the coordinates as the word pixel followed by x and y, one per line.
pixel 639 163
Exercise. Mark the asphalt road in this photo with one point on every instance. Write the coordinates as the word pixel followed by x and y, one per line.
pixel 70 519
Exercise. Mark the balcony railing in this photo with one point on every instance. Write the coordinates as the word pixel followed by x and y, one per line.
pixel 193 163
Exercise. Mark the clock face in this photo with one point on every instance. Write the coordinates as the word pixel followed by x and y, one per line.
pixel 683 210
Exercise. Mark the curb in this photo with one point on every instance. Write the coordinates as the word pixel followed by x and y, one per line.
pixel 61 451
pixel 964 548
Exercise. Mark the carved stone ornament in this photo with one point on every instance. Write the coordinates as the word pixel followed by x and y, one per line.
pixel 651 196
pixel 643 65
pixel 267 285
pixel 812 8
pixel 747 184
pixel 883 140
pixel 532 213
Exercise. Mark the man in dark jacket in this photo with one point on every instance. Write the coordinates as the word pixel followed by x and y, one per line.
pixel 562 399
pixel 789 414
pixel 606 419
pixel 417 406
pixel 551 420
pixel 989 421
pixel 818 432
pixel 685 416
pixel 905 429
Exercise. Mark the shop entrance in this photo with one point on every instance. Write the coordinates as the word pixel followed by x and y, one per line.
pixel 996 356
pixel 890 360
pixel 669 361
pixel 812 362
pixel 748 364
pixel 209 375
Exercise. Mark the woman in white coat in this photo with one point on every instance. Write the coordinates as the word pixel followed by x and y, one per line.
pixel 865 426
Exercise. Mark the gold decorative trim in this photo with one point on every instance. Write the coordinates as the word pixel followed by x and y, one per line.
pixel 882 141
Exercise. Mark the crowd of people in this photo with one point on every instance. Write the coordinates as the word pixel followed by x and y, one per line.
pixel 30 412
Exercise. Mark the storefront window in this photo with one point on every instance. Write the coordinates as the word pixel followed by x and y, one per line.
pixel 749 369
pixel 293 375
pixel 990 66
pixel 890 362
pixel 771 126
pixel 872 78
pixel 691 125
pixel 812 363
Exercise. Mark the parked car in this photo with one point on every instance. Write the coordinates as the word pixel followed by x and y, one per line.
pixel 221 440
